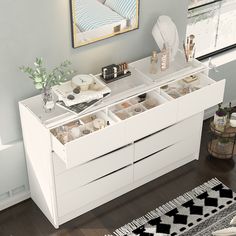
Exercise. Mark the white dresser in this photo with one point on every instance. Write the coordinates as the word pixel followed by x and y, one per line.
pixel 67 180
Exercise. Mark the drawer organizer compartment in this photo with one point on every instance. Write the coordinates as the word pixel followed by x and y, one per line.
pixel 91 171
pixel 137 105
pixel 87 138
pixel 144 114
pixel 194 94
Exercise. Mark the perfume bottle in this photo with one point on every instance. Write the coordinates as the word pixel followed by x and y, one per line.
pixel 165 58
pixel 154 60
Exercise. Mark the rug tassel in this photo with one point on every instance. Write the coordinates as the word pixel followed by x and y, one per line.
pixel 129 228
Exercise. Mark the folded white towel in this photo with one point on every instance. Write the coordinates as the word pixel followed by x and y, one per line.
pixel 225 232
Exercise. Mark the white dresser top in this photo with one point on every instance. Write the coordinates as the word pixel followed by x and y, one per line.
pixel 139 82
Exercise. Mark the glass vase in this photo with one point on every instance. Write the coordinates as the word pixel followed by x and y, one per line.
pixel 48 100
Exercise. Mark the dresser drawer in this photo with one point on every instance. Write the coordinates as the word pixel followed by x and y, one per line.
pixel 151 119
pixel 165 157
pixel 80 197
pixel 93 145
pixel 70 179
pixel 208 94
pixel 167 137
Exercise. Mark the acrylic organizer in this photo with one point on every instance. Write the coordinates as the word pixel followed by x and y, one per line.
pixel 82 127
pixel 185 86
pixel 136 105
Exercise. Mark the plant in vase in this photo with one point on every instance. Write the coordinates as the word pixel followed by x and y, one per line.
pixel 44 80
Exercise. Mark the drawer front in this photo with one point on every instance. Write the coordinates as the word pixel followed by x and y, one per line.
pixel 165 158
pixel 80 197
pixel 200 100
pixel 70 179
pixel 167 137
pixel 150 121
pixel 88 147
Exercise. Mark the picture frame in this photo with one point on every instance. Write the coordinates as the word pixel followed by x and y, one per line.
pixel 95 20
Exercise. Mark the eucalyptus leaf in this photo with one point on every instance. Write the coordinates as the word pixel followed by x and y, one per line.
pixel 38 79
pixel 42 78
pixel 38 86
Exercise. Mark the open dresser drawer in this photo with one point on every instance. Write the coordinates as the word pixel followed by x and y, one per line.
pixel 145 114
pixel 92 139
pixel 196 96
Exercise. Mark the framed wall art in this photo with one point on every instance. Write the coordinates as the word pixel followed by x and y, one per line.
pixel 94 20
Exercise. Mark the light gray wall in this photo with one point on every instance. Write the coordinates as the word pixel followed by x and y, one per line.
pixel 33 28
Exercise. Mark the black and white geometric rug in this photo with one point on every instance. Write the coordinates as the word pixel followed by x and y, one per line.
pixel 205 209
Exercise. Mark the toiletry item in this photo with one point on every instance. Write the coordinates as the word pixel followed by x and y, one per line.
pixel 172 91
pixel 125 68
pixel 75 132
pixel 153 65
pixel 232 120
pixel 150 103
pixel 164 64
pixel 88 119
pixel 115 71
pixel 142 97
pixel 74 129
pixel 165 87
pixel 99 123
pixel 220 118
pixel 86 131
pixel 136 109
pixel 189 48
pixel 125 105
pixel 122 115
pixel 64 134
pixel 190 79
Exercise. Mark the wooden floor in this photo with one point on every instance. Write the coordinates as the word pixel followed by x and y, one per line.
pixel 25 219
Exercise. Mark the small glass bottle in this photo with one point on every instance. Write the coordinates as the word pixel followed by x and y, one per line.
pixel 165 58
pixel 154 60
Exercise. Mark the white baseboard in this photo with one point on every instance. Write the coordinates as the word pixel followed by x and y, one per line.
pixel 14 200
pixel 15 188
pixel 210 112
